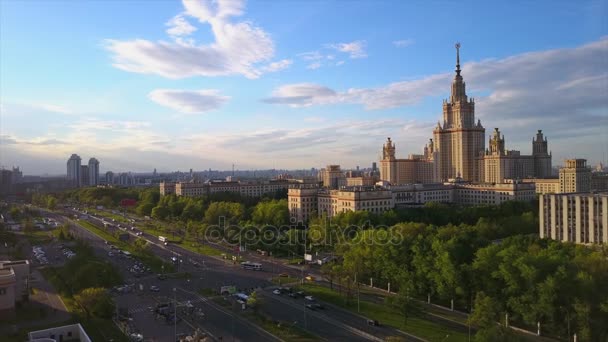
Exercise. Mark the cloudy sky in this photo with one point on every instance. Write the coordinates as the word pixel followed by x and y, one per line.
pixel 290 84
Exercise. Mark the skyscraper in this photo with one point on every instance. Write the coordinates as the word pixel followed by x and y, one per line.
pixel 73 166
pixel 84 175
pixel 460 141
pixel 93 172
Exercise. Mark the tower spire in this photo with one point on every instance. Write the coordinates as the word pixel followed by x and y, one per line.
pixel 457 58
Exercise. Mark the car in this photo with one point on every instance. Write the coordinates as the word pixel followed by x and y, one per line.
pixel 284 275
pixel 318 306
pixel 300 294
pixel 161 277
pixel 310 298
pixel 310 306
pixel 276 292
pixel 310 278
pixel 373 322
pixel 154 288
pixel 110 254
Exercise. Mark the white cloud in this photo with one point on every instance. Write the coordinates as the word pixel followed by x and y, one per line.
pixel 302 95
pixel 355 49
pixel 238 47
pixel 562 91
pixel 314 66
pixel 403 43
pixel 179 26
pixel 189 101
pixel 277 66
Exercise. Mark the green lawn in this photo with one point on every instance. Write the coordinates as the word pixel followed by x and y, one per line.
pixel 388 316
pixel 283 330
pixel 285 280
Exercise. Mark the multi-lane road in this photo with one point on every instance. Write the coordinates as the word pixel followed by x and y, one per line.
pixel 331 324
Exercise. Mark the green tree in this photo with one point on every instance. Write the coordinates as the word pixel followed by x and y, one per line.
pixel 160 212
pixel 51 202
pixel 95 302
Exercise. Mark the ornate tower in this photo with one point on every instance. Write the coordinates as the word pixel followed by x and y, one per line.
pixel 542 156
pixel 459 141
pixel 497 143
pixel 388 164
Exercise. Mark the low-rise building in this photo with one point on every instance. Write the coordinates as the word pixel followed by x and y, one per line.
pixel 249 189
pixel 305 201
pixel 7 293
pixel 73 332
pixel 21 269
pixel 574 217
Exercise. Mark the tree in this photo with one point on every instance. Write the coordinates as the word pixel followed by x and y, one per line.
pixel 403 302
pixel 95 302
pixel 254 301
pixel 160 212
pixel 51 202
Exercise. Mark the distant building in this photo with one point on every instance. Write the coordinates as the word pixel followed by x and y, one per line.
pixel 73 170
pixel 17 175
pixel 332 177
pixel 306 200
pixel 575 176
pixel 73 332
pixel 248 189
pixel 109 178
pixel 599 181
pixel 574 217
pixel 93 172
pixel 14 285
pixel 6 181
pixel 84 175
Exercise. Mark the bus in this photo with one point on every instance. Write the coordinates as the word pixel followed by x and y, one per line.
pixel 251 266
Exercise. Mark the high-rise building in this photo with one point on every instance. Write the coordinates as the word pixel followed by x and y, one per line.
pixel 415 169
pixel 542 156
pixel 73 166
pixel 109 178
pixel 84 175
pixel 575 176
pixel 459 140
pixel 93 172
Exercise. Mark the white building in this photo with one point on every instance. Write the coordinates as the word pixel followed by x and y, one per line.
pixel 73 332
pixel 574 217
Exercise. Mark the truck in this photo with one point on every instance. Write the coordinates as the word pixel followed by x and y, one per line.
pixel 163 240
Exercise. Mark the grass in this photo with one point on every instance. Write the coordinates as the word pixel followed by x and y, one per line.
pixel 283 330
pixel 196 247
pixel 149 259
pixel 38 237
pixel 417 326
pixel 285 280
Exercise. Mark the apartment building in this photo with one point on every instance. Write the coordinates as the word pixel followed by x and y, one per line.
pixel 574 217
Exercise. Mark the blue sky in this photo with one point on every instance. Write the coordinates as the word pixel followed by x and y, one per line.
pixel 290 84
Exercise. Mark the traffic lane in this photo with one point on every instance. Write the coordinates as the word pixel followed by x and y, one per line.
pixel 352 319
pixel 280 311
pixel 223 321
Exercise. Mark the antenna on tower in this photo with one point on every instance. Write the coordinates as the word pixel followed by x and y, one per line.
pixel 232 170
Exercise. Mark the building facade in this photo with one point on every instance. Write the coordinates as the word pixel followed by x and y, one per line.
pixel 332 177
pixel 93 172
pixel 575 176
pixel 248 189
pixel 73 170
pixel 84 175
pixel 459 140
pixel 574 217
pixel 377 199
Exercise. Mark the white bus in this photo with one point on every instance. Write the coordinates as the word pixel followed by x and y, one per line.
pixel 162 239
pixel 251 266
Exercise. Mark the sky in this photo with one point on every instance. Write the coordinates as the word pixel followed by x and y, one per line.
pixel 202 84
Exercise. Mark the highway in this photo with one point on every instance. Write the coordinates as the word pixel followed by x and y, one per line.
pixel 334 324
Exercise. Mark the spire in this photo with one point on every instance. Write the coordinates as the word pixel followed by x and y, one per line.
pixel 458 58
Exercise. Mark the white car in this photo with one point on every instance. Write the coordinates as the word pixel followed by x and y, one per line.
pixel 276 292
pixel 310 298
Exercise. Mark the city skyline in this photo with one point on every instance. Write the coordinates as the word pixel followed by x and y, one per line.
pixel 297 98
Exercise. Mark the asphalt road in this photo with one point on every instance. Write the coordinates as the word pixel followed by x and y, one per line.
pixel 333 325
